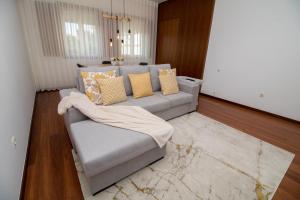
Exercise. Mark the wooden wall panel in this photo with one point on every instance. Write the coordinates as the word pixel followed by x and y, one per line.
pixel 168 34
pixel 183 35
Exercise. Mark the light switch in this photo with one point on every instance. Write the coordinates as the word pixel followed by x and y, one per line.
pixel 13 140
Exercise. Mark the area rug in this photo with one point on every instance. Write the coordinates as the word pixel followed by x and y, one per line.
pixel 205 160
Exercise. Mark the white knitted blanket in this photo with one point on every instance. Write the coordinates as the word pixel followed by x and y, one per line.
pixel 128 117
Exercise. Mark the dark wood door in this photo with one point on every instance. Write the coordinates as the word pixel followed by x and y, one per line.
pixel 183 35
pixel 168 34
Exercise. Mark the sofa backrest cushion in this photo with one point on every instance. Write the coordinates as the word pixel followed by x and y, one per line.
pixel 80 84
pixel 132 69
pixel 154 75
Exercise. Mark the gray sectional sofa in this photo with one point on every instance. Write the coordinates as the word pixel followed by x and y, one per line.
pixel 109 154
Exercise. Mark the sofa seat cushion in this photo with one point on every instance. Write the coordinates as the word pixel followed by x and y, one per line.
pixel 178 98
pixel 101 147
pixel 153 104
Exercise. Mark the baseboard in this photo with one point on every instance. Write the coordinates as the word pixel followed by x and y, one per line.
pixel 27 153
pixel 251 108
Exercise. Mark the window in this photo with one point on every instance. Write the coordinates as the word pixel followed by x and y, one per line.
pixel 137 44
pixel 81 31
pixel 132 47
pixel 126 50
pixel 69 30
pixel 81 40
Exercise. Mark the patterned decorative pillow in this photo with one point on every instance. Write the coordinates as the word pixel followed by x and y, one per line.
pixel 168 81
pixel 112 90
pixel 91 86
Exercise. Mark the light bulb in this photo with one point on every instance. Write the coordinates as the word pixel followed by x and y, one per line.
pixel 111 43
pixel 118 34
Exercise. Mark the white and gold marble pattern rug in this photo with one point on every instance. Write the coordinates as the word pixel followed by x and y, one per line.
pixel 205 160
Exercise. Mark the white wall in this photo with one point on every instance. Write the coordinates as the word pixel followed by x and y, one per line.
pixel 16 102
pixel 255 48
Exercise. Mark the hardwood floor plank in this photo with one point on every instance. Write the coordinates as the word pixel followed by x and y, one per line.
pixel 51 172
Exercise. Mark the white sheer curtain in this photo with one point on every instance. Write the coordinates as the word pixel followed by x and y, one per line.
pixel 62 33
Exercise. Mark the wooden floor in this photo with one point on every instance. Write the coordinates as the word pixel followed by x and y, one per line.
pixel 51 171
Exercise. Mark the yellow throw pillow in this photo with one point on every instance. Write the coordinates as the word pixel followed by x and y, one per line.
pixel 168 81
pixel 167 71
pixel 112 90
pixel 91 86
pixel 141 85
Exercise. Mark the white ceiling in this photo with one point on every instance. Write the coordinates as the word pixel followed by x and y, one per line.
pixel 158 1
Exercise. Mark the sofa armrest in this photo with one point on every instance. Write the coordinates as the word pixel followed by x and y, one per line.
pixel 72 115
pixel 191 86
pixel 66 92
pixel 188 84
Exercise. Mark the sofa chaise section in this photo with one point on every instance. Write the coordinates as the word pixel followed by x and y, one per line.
pixel 108 154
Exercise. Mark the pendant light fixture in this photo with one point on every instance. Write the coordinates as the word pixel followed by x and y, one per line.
pixel 128 19
pixel 118 31
pixel 129 31
pixel 120 35
pixel 122 41
pixel 111 26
